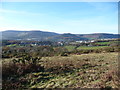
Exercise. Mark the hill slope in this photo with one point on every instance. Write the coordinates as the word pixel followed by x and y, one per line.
pixel 27 35
pixel 99 35
pixel 51 36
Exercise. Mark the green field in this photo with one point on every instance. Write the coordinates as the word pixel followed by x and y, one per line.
pixel 103 43
pixel 91 47
pixel 107 43
pixel 70 47
pixel 12 45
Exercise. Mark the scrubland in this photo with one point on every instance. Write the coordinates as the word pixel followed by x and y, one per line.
pixel 95 70
pixel 27 66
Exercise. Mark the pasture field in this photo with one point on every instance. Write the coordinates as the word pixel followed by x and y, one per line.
pixel 104 43
pixel 70 47
pixel 107 43
pixel 91 47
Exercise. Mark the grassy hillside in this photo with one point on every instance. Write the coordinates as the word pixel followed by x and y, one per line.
pixel 86 71
pixel 74 71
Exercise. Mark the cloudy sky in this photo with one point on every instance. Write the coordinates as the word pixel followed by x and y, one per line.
pixel 60 17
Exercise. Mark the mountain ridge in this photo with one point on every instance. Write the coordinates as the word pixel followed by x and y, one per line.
pixel 52 36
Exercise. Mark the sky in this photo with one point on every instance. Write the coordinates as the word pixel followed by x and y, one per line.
pixel 60 17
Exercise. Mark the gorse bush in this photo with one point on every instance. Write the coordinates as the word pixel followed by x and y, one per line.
pixel 37 51
pixel 45 51
pixel 20 67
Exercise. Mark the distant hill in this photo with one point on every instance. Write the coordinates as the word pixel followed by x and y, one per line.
pixel 67 37
pixel 51 36
pixel 27 35
pixel 99 35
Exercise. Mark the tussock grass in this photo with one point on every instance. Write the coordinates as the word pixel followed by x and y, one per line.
pixel 85 71
pixel 96 70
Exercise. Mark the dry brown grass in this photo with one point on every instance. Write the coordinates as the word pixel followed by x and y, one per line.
pixel 73 71
pixel 94 70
